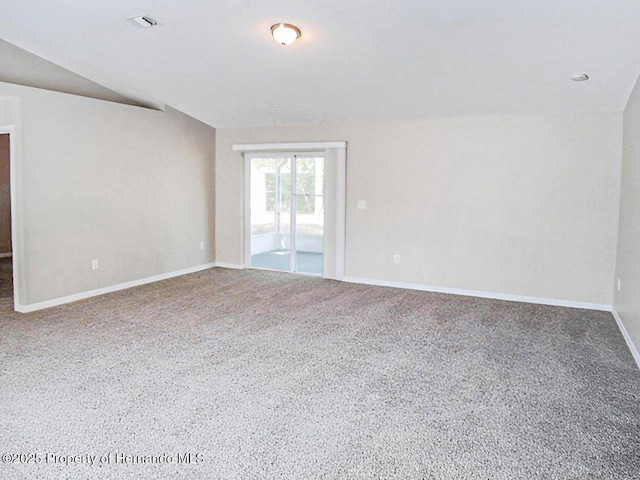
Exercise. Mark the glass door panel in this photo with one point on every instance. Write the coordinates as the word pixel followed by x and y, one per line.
pixel 287 212
pixel 271 213
pixel 309 215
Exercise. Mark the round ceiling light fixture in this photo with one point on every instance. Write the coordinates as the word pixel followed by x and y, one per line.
pixel 285 33
pixel 580 77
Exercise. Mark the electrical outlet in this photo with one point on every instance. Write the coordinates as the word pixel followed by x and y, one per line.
pixel 619 284
pixel 94 264
pixel 201 244
pixel 396 259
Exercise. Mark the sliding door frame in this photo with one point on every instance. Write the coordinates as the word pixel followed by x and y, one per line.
pixel 335 152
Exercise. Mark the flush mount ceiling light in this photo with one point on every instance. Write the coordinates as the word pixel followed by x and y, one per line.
pixel 144 21
pixel 580 77
pixel 285 33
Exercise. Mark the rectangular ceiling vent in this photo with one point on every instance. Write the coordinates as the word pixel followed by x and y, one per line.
pixel 144 21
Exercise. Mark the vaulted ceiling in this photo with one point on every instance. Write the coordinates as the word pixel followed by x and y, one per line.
pixel 23 68
pixel 357 60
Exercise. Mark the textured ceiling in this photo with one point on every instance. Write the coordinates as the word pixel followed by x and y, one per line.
pixel 357 61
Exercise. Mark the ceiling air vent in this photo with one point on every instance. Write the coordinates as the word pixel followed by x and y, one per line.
pixel 144 21
pixel 579 77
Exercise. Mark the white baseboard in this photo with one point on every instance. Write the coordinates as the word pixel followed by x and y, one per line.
pixel 234 266
pixel 481 294
pixel 6 255
pixel 627 337
pixel 32 307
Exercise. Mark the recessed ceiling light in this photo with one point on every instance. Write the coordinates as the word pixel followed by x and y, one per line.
pixel 285 33
pixel 144 21
pixel 580 77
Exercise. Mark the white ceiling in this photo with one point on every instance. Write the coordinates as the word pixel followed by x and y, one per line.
pixel 357 61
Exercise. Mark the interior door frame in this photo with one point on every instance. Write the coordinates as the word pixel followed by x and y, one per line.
pixel 335 152
pixel 15 220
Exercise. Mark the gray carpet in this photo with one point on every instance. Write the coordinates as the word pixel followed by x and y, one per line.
pixel 272 375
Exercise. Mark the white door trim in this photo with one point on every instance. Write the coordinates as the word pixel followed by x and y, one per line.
pixel 16 248
pixel 293 240
pixel 341 210
pixel 297 147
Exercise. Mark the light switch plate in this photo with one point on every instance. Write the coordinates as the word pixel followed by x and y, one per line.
pixel 361 205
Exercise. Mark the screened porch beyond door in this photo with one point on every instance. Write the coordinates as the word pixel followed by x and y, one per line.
pixel 287 213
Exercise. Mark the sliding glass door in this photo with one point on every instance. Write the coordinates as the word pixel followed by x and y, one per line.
pixel 308 214
pixel 287 212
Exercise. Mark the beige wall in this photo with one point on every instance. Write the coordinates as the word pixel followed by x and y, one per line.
pixel 128 186
pixel 627 300
pixel 522 205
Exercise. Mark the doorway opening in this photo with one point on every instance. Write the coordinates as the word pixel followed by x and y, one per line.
pixel 6 246
pixel 286 196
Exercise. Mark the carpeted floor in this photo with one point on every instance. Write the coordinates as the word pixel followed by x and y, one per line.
pixel 271 375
